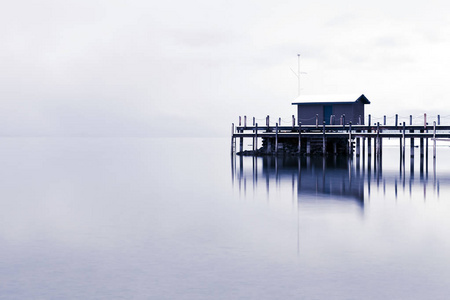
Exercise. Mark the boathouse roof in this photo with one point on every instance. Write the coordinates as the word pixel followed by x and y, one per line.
pixel 330 99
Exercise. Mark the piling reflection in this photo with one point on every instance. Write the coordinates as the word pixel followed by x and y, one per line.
pixel 337 178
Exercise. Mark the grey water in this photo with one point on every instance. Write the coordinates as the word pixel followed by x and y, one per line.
pixel 147 218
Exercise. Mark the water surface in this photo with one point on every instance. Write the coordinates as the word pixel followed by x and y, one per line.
pixel 137 218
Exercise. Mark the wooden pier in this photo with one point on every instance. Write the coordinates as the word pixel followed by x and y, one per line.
pixel 342 139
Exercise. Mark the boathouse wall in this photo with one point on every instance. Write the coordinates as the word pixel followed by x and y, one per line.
pixel 312 110
pixel 307 113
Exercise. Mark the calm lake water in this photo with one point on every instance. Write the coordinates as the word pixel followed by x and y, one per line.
pixel 142 218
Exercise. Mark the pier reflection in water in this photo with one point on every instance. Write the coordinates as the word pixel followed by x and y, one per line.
pixel 337 178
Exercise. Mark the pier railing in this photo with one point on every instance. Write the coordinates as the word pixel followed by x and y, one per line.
pixel 353 134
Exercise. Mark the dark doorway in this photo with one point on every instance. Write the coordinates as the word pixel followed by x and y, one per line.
pixel 327 112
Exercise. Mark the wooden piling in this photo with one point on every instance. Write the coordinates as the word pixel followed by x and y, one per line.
pixel 434 139
pixel 255 139
pixel 363 147
pixel 299 137
pixel 421 145
pixel 324 145
pixel 378 141
pixel 401 146
pixel 396 120
pixel 293 121
pixel 276 138
pixel 369 140
pixel 350 148
pixel 412 143
pixel 404 139
pixel 241 142
pixel 358 142
pixel 232 138
pixel 308 147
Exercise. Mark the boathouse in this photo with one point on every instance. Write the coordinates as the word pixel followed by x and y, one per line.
pixel 333 109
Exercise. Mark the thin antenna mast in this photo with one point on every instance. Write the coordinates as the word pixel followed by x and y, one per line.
pixel 298 72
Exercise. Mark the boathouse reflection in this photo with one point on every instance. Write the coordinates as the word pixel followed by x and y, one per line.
pixel 336 178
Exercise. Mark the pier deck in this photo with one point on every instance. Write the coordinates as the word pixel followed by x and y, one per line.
pixel 351 135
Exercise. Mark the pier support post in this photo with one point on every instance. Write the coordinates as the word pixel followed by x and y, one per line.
pixel 232 138
pixel 378 142
pixel 358 144
pixel 350 146
pixel 324 145
pixel 276 138
pixel 363 146
pixel 255 138
pixel 241 142
pixel 269 146
pixel 412 143
pixel 308 147
pixel 241 139
pixel 434 139
pixel 401 146
pixel 421 146
pixel 396 120
pixel 404 139
pixel 299 137
pixel 369 139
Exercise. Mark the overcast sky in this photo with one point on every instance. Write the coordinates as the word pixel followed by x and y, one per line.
pixel 148 68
